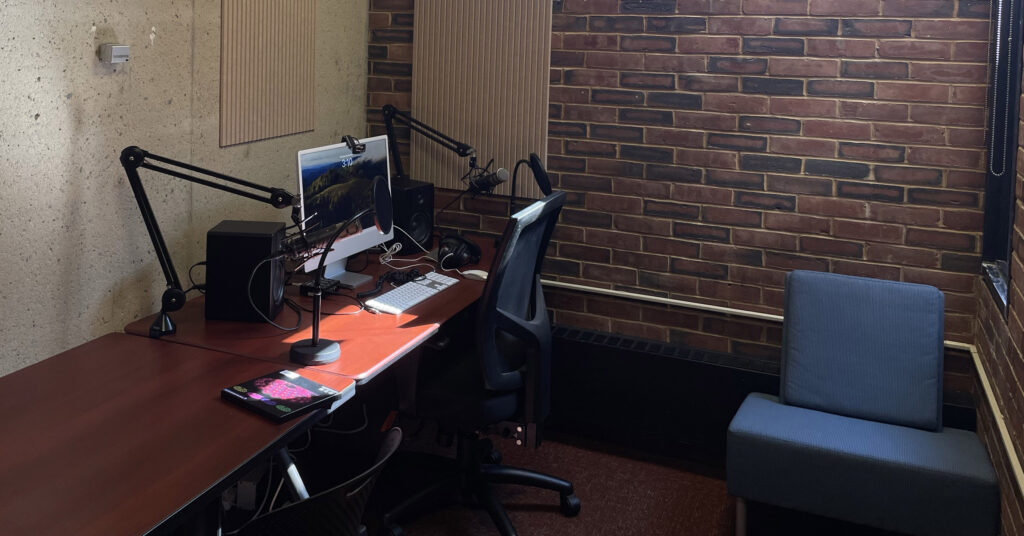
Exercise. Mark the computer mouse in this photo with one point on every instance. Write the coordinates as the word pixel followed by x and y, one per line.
pixel 478 275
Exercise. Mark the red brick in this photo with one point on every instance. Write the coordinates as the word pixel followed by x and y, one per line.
pixel 836 208
pixel 569 94
pixel 672 247
pixel 873 110
pixel 841 48
pixel 731 216
pixel 590 77
pixel 904 214
pixel 614 60
pixel 864 269
pixel 966 137
pixel 802 146
pixel 963 158
pixel 943 280
pixel 731 254
pixel 694 193
pixel 963 220
pixel 909 133
pixel 908 175
pixel 708 44
pixel 673 63
pixel 872 151
pixel 802 67
pixel 868 231
pixel 764 239
pixel 911 92
pixel 576 41
pixel 714 159
pixel 958 30
pixel 709 121
pixel 758 276
pixel 955 73
pixel 740 25
pixel 846 8
pixel 902 255
pixel 914 49
pixel 699 268
pixel 801 107
pixel 730 292
pixel 641 188
pixel 674 137
pixel 825 246
pixel 948 115
pixel 703 83
pixel 893 70
pixel 613 203
pixel 674 317
pixel 709 7
pixel 799 185
pixel 965 179
pixel 641 261
pixel 918 8
pixel 796 223
pixel 613 239
pixel 643 225
pixel 819 128
pixel 775 7
pixel 968 95
pixel 970 51
pixel 941 240
pixel 597 114
pixel 747 104
pixel 590 6
pixel 789 261
pixel 584 253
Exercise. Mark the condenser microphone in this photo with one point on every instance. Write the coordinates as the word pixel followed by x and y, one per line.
pixel 485 182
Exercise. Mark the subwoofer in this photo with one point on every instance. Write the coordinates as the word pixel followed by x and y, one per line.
pixel 414 214
pixel 237 253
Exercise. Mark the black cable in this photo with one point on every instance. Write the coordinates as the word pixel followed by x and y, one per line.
pixel 200 288
pixel 512 191
pixel 288 302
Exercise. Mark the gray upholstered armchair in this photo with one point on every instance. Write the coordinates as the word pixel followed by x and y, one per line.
pixel 856 432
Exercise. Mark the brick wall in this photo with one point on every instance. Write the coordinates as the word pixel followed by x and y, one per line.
pixel 1000 343
pixel 709 147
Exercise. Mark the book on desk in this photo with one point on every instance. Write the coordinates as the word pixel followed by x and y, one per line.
pixel 281 395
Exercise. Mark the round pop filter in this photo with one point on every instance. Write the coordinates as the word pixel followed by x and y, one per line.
pixel 383 210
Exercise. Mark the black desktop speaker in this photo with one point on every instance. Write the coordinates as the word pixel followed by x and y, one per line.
pixel 233 250
pixel 414 213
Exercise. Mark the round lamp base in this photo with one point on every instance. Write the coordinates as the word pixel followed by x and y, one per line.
pixel 305 352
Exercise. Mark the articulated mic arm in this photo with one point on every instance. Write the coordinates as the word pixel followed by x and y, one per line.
pixel 391 114
pixel 132 158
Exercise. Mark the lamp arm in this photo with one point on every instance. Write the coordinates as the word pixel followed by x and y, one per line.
pixel 132 158
pixel 391 113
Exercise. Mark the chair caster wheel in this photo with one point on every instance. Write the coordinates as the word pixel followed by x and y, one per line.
pixel 570 505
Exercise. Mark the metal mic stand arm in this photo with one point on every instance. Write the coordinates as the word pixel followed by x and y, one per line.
pixel 391 113
pixel 132 158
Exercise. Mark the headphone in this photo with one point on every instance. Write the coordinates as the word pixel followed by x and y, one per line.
pixel 455 251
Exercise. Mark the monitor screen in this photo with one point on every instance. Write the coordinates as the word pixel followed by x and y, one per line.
pixel 335 184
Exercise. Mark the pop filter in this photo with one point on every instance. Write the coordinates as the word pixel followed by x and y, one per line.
pixel 383 209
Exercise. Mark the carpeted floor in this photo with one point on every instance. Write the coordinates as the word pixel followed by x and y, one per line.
pixel 619 495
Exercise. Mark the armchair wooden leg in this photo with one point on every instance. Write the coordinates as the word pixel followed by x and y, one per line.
pixel 741 516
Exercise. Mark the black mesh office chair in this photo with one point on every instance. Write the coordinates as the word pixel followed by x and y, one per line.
pixel 508 378
pixel 337 511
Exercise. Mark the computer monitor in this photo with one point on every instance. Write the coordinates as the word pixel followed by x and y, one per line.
pixel 334 185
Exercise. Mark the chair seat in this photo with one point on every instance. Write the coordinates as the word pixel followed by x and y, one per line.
pixel 888 476
pixel 456 394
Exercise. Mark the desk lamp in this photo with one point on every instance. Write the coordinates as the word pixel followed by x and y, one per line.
pixel 132 158
pixel 317 351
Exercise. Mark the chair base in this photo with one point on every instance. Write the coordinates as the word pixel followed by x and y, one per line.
pixel 477 468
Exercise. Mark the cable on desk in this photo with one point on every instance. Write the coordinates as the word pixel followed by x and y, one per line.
pixel 292 305
pixel 366 422
pixel 200 288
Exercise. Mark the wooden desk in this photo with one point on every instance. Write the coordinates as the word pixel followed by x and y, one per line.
pixel 123 432
pixel 369 342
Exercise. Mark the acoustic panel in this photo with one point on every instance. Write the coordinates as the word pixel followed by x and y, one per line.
pixel 267 80
pixel 480 75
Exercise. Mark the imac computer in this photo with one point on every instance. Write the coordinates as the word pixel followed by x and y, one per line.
pixel 335 184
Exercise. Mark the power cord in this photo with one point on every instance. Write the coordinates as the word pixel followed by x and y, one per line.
pixel 291 305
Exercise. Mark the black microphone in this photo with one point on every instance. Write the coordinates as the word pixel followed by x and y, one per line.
pixel 485 182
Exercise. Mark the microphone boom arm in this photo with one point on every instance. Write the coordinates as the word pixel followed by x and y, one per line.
pixel 132 158
pixel 391 113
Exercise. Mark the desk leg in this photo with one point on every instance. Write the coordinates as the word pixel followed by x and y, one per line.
pixel 292 473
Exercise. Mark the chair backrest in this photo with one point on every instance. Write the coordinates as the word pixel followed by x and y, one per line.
pixel 864 348
pixel 513 332
pixel 337 511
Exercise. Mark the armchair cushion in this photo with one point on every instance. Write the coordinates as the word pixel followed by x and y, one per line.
pixel 865 348
pixel 894 477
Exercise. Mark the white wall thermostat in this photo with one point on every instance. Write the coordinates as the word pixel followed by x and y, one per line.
pixel 111 53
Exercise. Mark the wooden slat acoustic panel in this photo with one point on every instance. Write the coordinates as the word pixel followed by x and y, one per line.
pixel 480 75
pixel 267 82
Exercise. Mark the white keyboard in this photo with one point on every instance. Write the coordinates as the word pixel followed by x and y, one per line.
pixel 399 299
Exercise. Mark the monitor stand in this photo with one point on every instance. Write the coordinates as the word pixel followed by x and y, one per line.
pixel 336 271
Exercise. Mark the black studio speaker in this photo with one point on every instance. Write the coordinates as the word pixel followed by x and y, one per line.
pixel 414 213
pixel 233 251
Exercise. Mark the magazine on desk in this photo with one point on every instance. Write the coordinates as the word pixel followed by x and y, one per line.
pixel 281 395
